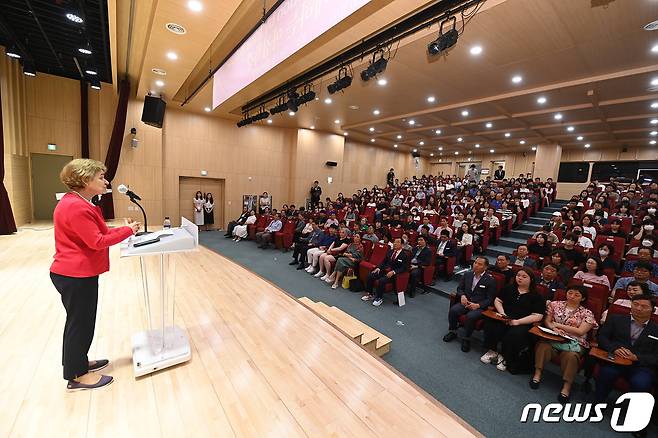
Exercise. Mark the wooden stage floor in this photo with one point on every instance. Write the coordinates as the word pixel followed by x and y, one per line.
pixel 263 365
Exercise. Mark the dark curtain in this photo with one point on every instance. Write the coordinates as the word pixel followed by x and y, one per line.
pixel 84 119
pixel 7 223
pixel 114 149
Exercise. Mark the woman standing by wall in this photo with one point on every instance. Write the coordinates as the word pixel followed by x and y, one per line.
pixel 198 208
pixel 82 241
pixel 208 211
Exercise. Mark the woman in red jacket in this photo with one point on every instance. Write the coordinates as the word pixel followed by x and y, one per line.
pixel 82 241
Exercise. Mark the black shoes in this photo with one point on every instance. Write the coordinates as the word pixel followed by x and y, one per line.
pixel 533 383
pixel 562 398
pixel 77 386
pixel 294 262
pixel 450 336
pixel 301 266
pixel 99 365
pixel 466 345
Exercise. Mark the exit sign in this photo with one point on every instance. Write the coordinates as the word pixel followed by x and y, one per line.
pixel 52 147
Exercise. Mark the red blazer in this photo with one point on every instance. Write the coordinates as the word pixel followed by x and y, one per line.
pixel 82 239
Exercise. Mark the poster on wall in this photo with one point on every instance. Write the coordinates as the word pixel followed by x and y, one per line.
pixel 250 202
pixel 264 203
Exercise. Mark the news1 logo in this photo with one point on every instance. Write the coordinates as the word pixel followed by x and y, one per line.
pixel 631 412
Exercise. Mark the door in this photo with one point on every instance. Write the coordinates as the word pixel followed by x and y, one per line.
pixel 188 187
pixel 46 183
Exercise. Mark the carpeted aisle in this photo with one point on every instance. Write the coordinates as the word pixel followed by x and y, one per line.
pixel 488 399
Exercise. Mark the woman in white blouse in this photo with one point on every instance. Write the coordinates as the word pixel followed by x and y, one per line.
pixel 240 231
pixel 199 202
pixel 464 238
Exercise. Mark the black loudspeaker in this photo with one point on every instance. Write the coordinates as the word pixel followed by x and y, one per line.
pixel 154 110
pixel 331 163
pixel 415 154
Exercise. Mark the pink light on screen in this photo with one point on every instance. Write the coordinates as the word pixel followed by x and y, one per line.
pixel 292 26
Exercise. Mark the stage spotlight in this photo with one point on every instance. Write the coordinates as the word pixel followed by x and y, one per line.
pixel 342 81
pixel 307 97
pixel 375 67
pixel 280 107
pixel 445 40
pixel 293 104
pixel 95 84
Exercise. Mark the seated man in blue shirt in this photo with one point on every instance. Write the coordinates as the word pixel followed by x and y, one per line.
pixel 644 255
pixel 641 274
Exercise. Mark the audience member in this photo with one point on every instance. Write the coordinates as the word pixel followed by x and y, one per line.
pixel 522 258
pixel 396 262
pixel 641 274
pixel 263 238
pixel 348 260
pixel 593 273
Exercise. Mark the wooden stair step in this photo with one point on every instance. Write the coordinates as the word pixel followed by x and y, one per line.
pixel 371 339
pixel 353 331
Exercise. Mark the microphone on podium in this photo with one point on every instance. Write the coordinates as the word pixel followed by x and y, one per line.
pixel 124 190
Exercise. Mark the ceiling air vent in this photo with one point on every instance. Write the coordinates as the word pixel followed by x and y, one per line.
pixel 651 26
pixel 176 28
pixel 159 71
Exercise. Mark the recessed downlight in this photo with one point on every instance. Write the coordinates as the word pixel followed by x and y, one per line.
pixel 431 99
pixel 570 128
pixel 508 135
pixel 489 125
pixel 207 109
pixel 195 5
pixel 579 138
pixel 412 122
pixel 399 137
pixel 476 50
pixel 172 56
pixel 382 82
pixel 558 116
pixel 438 132
pixel 159 83
pixel 176 28
pixel 587 145
pixel 517 79
pixel 465 113
pixel 376 112
pixel 328 100
pixel 541 100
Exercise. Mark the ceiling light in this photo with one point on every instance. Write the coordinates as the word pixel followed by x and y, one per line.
pixel 431 99
pixel 431 154
pixel 469 158
pixel 74 17
pixel 446 39
pixel 176 28
pixel 395 145
pixel 382 82
pixel 95 84
pixel 13 52
pixel 652 142
pixel 91 71
pixel 422 143
pixel 291 113
pixel 172 55
pixel 654 49
pixel 541 100
pixel 522 142
pixel 372 140
pixel 86 49
pixel 328 100
pixel 312 127
pixel 459 139
pixel 440 159
pixel 29 69
pixel 342 81
pixel 651 26
pixel 654 121
pixel 437 132
pixel 557 116
pixel 465 113
pixel 653 133
pixel 476 50
pixel 517 79
pixel 571 129
pixel 371 129
pixel 534 148
pixel 456 152
pixel 376 112
pixel 654 105
pixel 337 122
pixel 412 122
pixel 492 150
pixel 440 148
pixel 195 5
pixel 415 150
pixel 208 109
pixel 159 83
pixel 399 137
pixel 489 125
pixel 345 134
pixel 587 145
pixel 579 138
pixel 654 82
pixel 477 145
pixel 507 134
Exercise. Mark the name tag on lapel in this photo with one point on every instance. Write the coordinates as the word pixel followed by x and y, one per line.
pixel 481 285
pixel 652 337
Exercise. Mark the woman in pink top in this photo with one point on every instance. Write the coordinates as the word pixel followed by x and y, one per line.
pixel 593 273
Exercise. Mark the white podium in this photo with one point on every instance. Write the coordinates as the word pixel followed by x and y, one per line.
pixel 165 345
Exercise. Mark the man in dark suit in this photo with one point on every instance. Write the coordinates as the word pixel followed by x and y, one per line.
pixel 421 257
pixel 445 247
pixel 396 262
pixel 633 337
pixel 239 221
pixel 476 292
pixel 522 259
pixel 499 174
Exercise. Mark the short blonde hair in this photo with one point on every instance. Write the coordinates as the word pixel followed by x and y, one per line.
pixel 77 173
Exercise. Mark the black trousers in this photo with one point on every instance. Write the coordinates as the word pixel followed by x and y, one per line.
pixel 513 338
pixel 415 277
pixel 80 298
pixel 229 228
pixel 300 251
pixel 381 285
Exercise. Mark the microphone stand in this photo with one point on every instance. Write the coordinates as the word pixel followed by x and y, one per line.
pixel 146 230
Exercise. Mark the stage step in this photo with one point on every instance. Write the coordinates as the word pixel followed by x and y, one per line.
pixel 369 338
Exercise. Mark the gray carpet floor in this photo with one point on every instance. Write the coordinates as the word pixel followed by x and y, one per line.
pixel 490 400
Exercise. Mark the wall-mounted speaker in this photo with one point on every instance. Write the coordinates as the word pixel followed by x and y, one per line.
pixel 415 154
pixel 154 110
pixel 331 163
